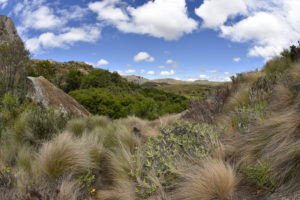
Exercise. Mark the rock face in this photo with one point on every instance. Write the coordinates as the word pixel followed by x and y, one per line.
pixel 8 31
pixel 48 95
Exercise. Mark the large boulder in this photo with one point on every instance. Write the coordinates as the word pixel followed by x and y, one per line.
pixel 8 31
pixel 48 95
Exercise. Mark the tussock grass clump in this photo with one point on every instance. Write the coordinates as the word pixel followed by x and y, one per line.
pixel 88 124
pixel 64 154
pixel 212 179
pixel 69 190
pixel 275 141
pixel 121 190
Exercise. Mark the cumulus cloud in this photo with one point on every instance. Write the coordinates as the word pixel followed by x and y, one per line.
pixel 151 72
pixel 143 56
pixel 63 40
pixel 142 71
pixel 3 3
pixel 130 71
pixel 213 78
pixel 51 25
pixel 160 66
pixel 270 26
pixel 224 10
pixel 166 19
pixel 37 15
pixel 167 73
pixel 237 59
pixel 102 62
pixel 172 63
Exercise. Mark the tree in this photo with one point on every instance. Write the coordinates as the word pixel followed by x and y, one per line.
pixel 13 59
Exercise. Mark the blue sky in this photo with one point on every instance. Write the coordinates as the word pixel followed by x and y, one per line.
pixel 182 39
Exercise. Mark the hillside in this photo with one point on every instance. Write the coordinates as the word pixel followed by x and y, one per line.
pixel 198 89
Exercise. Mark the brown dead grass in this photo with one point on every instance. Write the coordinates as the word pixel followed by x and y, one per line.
pixel 212 179
pixel 121 190
pixel 69 190
pixel 64 154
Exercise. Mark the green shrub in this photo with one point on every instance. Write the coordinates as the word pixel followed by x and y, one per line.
pixel 43 68
pixel 87 180
pixel 262 175
pixel 43 124
pixel 182 141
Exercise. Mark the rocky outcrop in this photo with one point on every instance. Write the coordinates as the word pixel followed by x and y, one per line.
pixel 48 95
pixel 8 31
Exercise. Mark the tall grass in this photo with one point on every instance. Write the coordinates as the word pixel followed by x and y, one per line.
pixel 212 179
pixel 64 154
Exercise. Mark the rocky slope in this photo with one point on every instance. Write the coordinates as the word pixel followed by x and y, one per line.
pixel 46 94
pixel 8 31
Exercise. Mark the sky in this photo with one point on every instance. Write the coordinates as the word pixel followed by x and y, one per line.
pixel 180 39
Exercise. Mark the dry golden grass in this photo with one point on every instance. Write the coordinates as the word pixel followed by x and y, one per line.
pixel 64 154
pixel 275 140
pixel 144 127
pixel 69 190
pixel 212 179
pixel 295 73
pixel 121 190
pixel 281 98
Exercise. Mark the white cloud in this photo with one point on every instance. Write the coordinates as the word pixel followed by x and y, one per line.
pixel 121 73
pixel 142 71
pixel 166 19
pixel 102 62
pixel 63 40
pixel 160 66
pixel 130 71
pixel 236 59
pixel 173 63
pixel 212 71
pixel 227 73
pixel 224 9
pixel 167 73
pixel 203 77
pixel 36 16
pixel 269 26
pixel 74 12
pixel 214 78
pixel 151 72
pixel 169 61
pixel 143 56
pixel 3 3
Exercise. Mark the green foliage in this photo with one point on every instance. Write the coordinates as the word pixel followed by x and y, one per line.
pixel 148 103
pixel 262 175
pixel 193 91
pixel 279 65
pixel 182 141
pixel 10 109
pixel 43 124
pixel 42 68
pixel 73 80
pixel 87 181
pixel 243 116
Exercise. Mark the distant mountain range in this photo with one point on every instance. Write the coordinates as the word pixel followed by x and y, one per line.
pixel 167 81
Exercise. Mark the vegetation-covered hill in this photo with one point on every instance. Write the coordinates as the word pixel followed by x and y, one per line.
pixel 106 93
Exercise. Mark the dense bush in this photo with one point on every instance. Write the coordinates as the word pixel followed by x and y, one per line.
pixel 148 103
pixel 42 68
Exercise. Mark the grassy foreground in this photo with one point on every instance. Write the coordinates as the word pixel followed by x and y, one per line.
pixel 240 143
